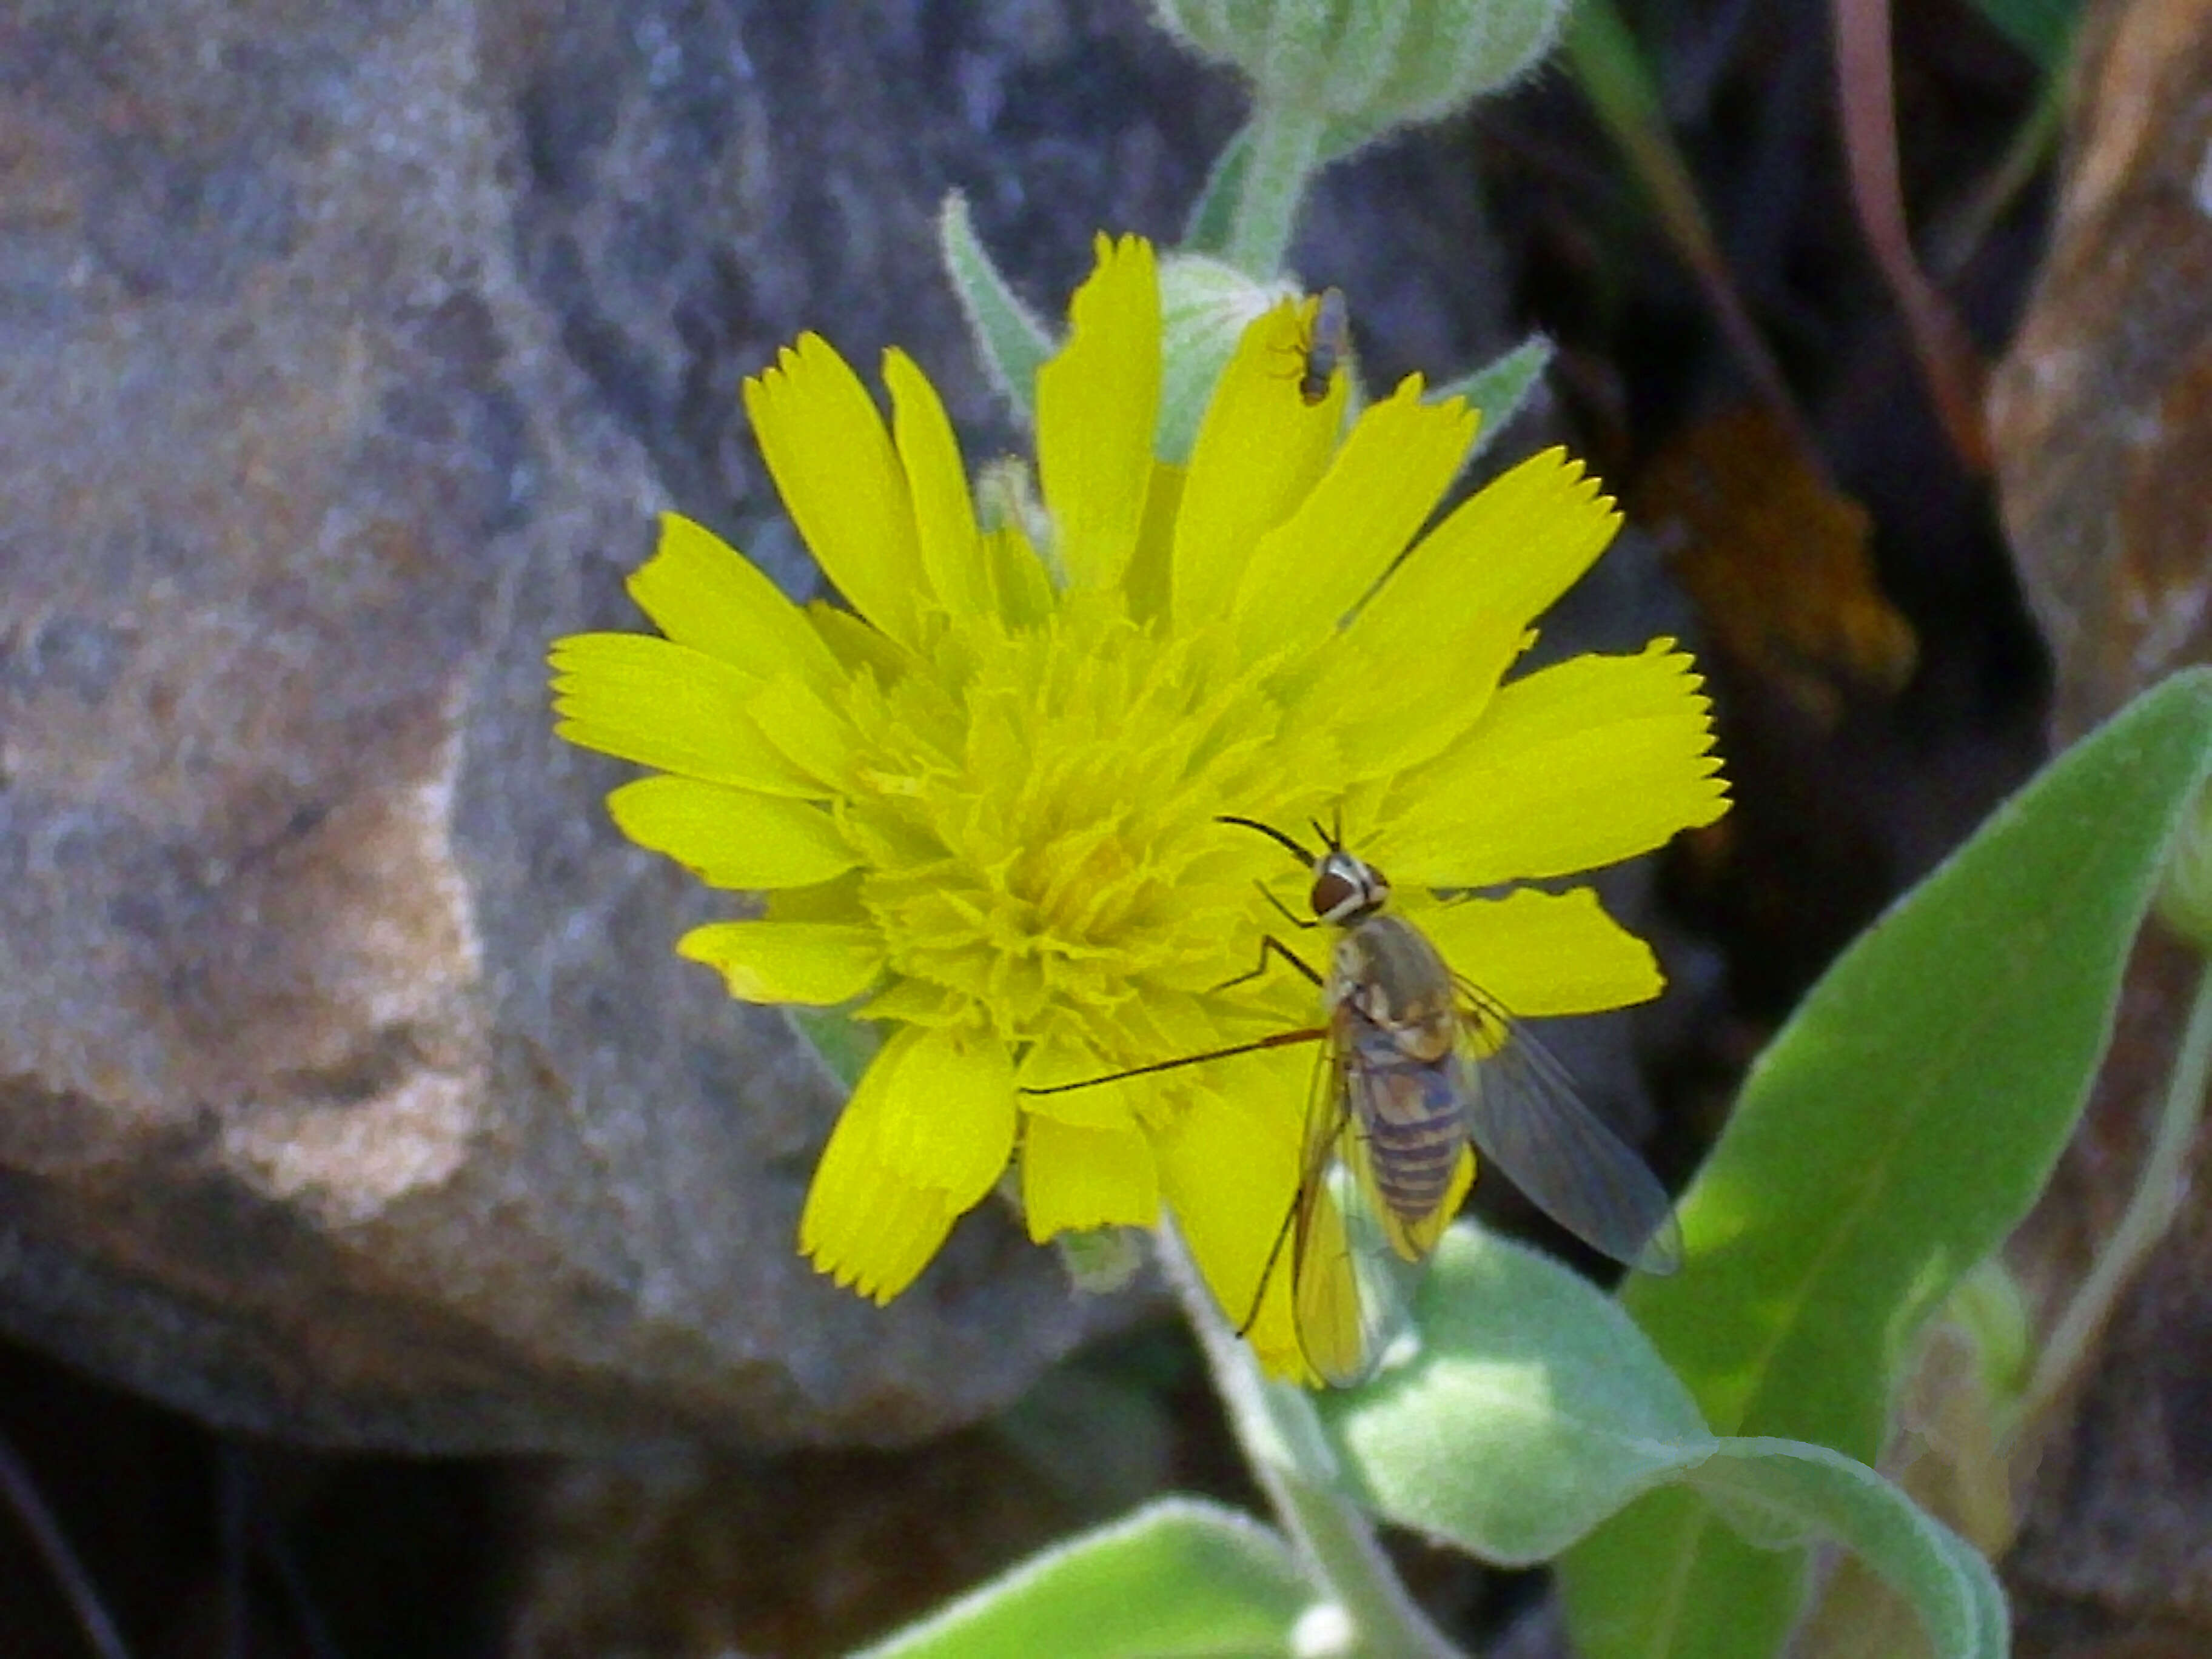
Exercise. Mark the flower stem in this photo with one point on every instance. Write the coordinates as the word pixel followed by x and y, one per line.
pixel 2150 1211
pixel 1286 149
pixel 1281 1436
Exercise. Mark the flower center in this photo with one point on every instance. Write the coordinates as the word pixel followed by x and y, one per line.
pixel 1040 817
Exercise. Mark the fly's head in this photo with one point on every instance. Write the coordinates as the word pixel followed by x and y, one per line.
pixel 1346 889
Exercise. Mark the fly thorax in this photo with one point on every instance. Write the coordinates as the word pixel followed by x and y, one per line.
pixel 1348 978
pixel 1394 977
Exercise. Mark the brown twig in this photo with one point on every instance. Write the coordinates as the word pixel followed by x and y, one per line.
pixel 1949 361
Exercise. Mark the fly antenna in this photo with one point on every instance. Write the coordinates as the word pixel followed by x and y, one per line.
pixel 1332 839
pixel 1273 834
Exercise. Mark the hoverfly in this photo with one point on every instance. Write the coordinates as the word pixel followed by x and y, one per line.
pixel 1419 1062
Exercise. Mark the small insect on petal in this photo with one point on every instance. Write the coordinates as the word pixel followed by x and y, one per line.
pixel 1330 348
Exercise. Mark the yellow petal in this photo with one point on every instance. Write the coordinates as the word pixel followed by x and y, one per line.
pixel 865 1224
pixel 944 512
pixel 1418 665
pixel 1229 1169
pixel 815 738
pixel 1391 704
pixel 664 705
pixel 837 900
pixel 1076 1177
pixel 704 593
pixel 824 443
pixel 1098 400
pixel 855 644
pixel 919 1002
pixel 1309 572
pixel 910 1226
pixel 949 1112
pixel 1540 954
pixel 1148 575
pixel 1511 548
pixel 847 1175
pixel 1260 450
pixel 1273 1335
pixel 1592 760
pixel 732 838
pixel 1019 586
pixel 1060 1055
pixel 817 964
pixel 870 1232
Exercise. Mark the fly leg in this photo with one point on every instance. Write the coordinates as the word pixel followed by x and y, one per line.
pixel 1279 1040
pixel 1270 945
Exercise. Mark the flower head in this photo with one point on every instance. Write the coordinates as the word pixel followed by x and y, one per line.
pixel 983 802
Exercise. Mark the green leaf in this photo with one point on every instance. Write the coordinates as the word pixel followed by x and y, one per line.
pixel 1012 340
pixel 1177 1578
pixel 1534 1410
pixel 1888 1140
pixel 1500 387
pixel 1207 228
pixel 845 1044
pixel 2043 30
pixel 1786 1492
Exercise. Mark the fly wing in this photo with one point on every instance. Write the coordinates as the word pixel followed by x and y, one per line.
pixel 1352 1287
pixel 1524 1113
pixel 1324 1272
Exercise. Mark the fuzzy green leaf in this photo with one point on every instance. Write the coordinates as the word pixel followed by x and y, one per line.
pixel 1786 1492
pixel 1177 1578
pixel 1500 387
pixel 1207 228
pixel 1534 1409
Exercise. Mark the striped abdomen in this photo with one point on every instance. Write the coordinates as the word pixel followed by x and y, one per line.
pixel 1396 1027
pixel 1409 1114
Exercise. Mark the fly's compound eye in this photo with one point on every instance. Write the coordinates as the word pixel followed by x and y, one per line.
pixel 1346 889
pixel 1334 894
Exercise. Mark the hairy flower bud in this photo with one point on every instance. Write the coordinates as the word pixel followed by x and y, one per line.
pixel 1371 64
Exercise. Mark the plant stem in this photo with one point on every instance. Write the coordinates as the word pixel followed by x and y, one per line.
pixel 2150 1211
pixel 1281 1437
pixel 20 1493
pixel 1286 149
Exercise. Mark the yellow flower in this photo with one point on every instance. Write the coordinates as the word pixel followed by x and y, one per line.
pixel 983 802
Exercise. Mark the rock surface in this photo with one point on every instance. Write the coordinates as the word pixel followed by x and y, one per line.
pixel 349 1089
pixel 2102 410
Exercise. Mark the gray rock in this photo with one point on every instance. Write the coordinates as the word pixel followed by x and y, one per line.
pixel 349 1087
